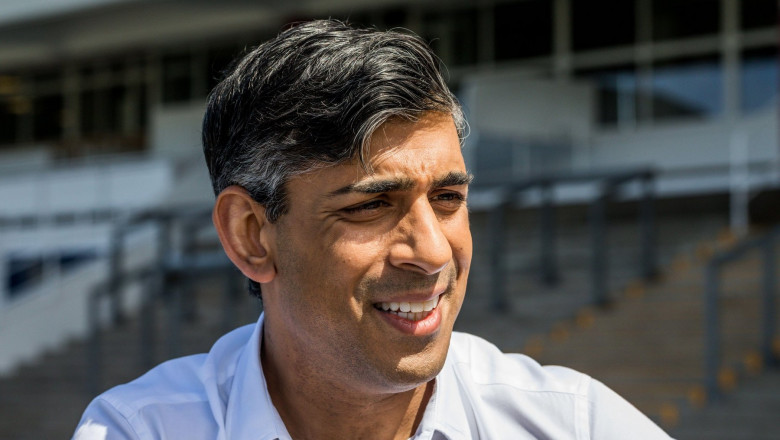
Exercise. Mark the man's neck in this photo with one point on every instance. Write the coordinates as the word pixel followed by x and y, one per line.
pixel 312 407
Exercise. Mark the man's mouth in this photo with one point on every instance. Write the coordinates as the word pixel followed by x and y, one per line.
pixel 413 311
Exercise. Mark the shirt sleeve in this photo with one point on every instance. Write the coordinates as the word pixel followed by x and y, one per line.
pixel 613 418
pixel 101 421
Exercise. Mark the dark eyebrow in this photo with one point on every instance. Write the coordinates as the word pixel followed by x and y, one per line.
pixel 453 178
pixel 379 186
pixel 375 186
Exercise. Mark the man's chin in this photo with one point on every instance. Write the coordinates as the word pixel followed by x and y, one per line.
pixel 419 368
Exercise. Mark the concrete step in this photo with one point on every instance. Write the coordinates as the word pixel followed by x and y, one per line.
pixel 751 412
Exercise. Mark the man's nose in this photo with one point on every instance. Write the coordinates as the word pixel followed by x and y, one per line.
pixel 422 245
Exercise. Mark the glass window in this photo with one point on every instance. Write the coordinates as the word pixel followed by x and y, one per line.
pixel 358 19
pixel 453 35
pixel 47 82
pixel 7 122
pixel 87 110
pixel 758 13
pixel 219 59
pixel 115 107
pixel 177 78
pixel 602 23
pixel 759 77
pixel 393 18
pixel 616 94
pixel 687 88
pixel 685 18
pixel 142 106
pixel 523 29
pixel 495 159
pixel 10 87
pixel 47 117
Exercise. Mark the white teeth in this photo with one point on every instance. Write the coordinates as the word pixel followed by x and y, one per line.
pixel 414 311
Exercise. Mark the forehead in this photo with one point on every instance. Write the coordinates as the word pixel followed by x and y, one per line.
pixel 402 154
pixel 426 145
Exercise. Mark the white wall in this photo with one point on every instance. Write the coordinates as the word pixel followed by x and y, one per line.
pixel 683 145
pixel 123 185
pixel 15 10
pixel 27 157
pixel 513 105
pixel 175 130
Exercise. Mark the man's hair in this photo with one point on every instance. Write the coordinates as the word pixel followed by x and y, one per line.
pixel 312 97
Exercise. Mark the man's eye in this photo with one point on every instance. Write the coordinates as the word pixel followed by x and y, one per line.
pixel 365 207
pixel 450 198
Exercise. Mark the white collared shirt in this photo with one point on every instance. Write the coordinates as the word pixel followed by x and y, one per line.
pixel 480 393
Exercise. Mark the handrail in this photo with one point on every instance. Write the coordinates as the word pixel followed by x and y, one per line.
pixel 173 266
pixel 712 358
pixel 608 183
pixel 131 222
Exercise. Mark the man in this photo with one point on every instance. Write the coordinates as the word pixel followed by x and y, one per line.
pixel 341 194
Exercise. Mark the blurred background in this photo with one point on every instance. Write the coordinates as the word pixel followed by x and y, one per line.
pixel 627 171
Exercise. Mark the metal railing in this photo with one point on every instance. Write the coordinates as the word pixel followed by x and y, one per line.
pixel 712 310
pixel 609 182
pixel 166 280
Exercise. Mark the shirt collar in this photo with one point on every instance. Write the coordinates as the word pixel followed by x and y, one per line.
pixel 250 417
pixel 445 412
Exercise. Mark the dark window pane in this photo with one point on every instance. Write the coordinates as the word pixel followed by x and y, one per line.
pixel 87 115
pixel 47 82
pixel 115 105
pixel 758 13
pixel 47 119
pixel 602 23
pixel 616 92
pixel 523 29
pixel 177 78
pixel 100 111
pixel 22 272
pixel 142 110
pixel 7 122
pixel 687 88
pixel 395 17
pixel 685 18
pixel 759 79
pixel 453 35
pixel 464 38
pixel 218 62
pixel 359 19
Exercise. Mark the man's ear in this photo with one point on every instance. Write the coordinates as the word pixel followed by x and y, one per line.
pixel 244 232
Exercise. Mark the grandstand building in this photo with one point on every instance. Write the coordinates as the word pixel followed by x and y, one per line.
pixel 101 103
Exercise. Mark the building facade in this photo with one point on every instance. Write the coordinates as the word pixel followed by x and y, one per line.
pixel 682 86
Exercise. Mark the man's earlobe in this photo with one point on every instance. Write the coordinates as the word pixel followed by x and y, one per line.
pixel 244 232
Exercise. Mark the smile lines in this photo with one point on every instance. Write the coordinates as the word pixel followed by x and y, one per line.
pixel 413 311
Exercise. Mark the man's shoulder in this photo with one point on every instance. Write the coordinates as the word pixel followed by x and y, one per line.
pixel 514 393
pixel 189 387
pixel 165 383
pixel 185 378
pixel 479 361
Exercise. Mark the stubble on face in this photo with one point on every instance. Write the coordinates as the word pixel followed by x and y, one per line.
pixel 329 283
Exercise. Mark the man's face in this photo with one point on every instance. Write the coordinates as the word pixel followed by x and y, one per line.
pixel 372 267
